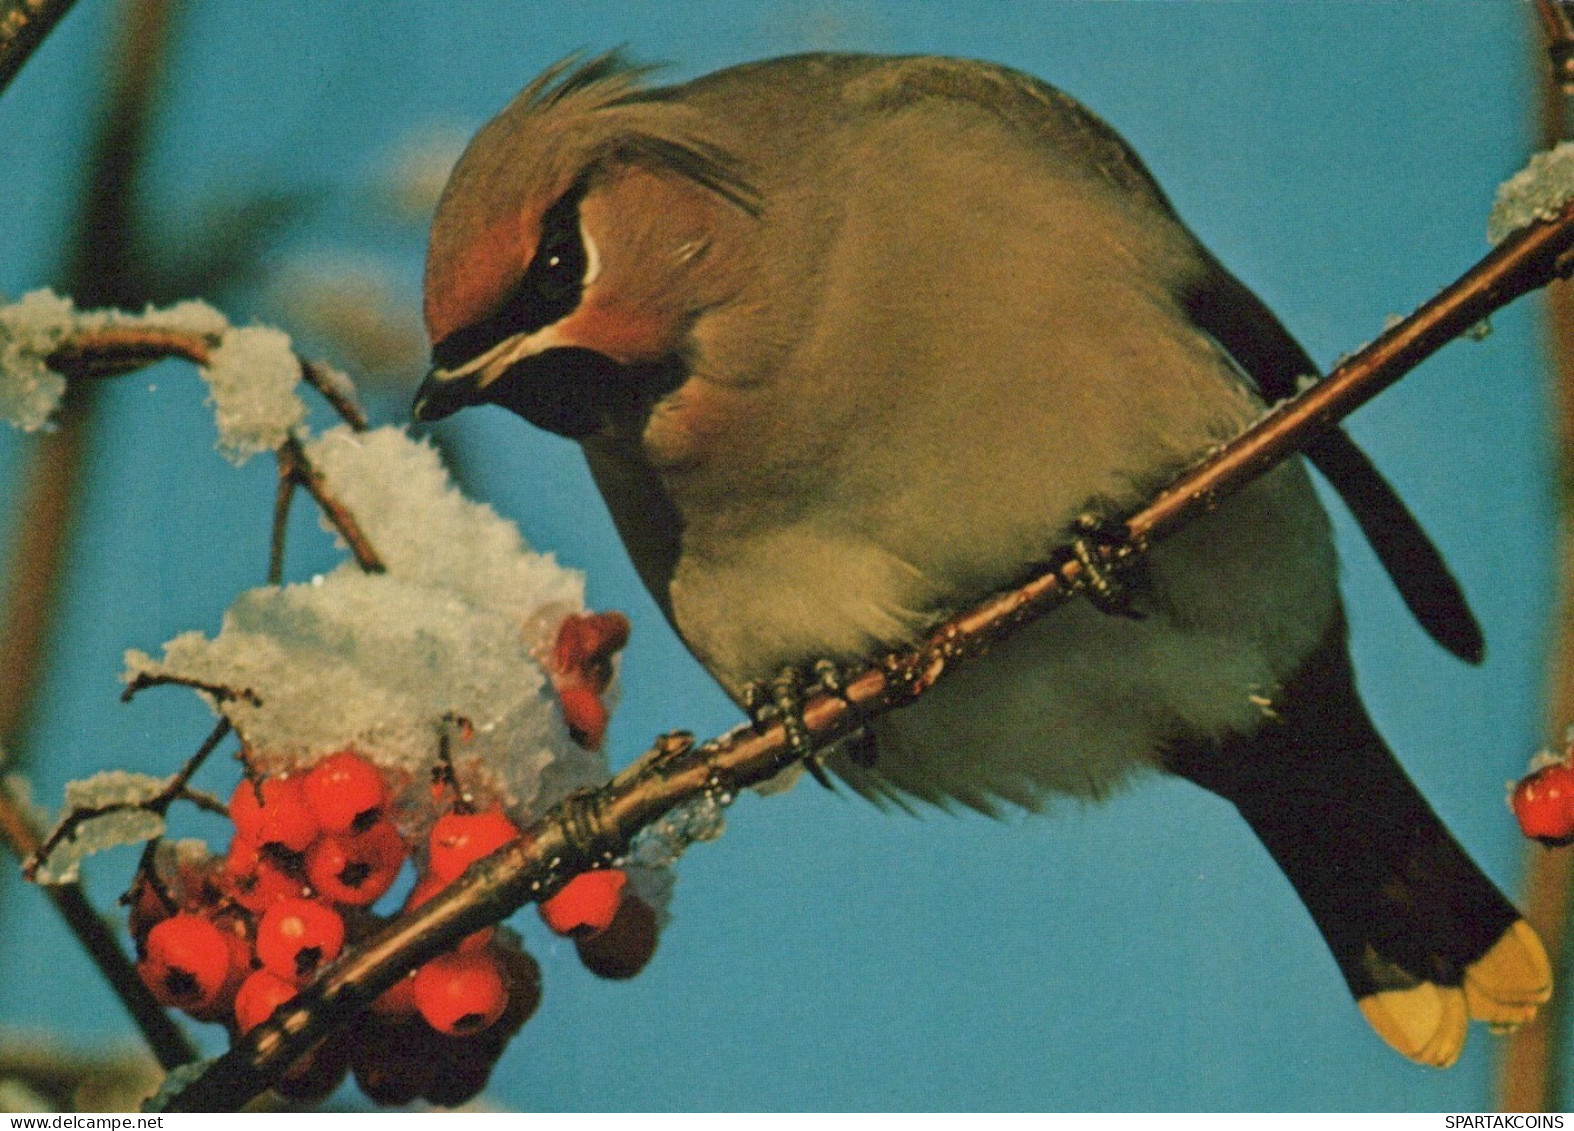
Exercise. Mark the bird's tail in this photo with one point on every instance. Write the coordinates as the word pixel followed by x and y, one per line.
pixel 1425 941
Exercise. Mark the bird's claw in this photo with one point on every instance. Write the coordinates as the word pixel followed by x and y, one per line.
pixel 781 700
pixel 1099 578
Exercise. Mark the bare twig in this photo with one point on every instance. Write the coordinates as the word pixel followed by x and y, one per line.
pixel 144 680
pixel 336 391
pixel 283 496
pixel 176 789
pixel 118 350
pixel 293 462
pixel 23 26
pixel 591 828
pixel 22 837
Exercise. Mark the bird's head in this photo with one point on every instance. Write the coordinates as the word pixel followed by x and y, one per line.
pixel 576 244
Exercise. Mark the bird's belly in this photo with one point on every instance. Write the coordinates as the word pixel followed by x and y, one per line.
pixel 1074 703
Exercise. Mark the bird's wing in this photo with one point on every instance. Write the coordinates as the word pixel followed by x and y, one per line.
pixel 1240 322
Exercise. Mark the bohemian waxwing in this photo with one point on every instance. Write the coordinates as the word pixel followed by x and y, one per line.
pixel 850 342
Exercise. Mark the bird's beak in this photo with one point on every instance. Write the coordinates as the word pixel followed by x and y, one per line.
pixel 441 396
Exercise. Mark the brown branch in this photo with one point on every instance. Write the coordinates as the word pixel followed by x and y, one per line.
pixel 23 26
pixel 144 680
pixel 339 394
pixel 283 496
pixel 592 828
pixel 117 350
pixel 293 461
pixel 22 837
pixel 1530 1071
pixel 1559 28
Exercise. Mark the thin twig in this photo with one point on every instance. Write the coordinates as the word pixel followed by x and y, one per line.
pixel 591 828
pixel 283 495
pixel 23 26
pixel 339 393
pixel 176 789
pixel 144 680
pixel 304 472
pixel 21 835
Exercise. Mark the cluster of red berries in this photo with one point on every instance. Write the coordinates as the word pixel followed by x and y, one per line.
pixel 232 940
pixel 1543 801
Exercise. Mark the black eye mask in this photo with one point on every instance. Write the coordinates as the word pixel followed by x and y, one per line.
pixel 548 292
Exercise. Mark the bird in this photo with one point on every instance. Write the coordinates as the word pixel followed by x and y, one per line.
pixel 852 341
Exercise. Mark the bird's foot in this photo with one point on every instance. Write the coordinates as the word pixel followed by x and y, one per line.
pixel 781 700
pixel 1099 579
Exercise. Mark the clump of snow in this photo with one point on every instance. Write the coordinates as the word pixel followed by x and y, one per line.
pixel 119 792
pixel 252 372
pixel 31 329
pixel 426 531
pixel 113 787
pixel 1537 192
pixel 252 376
pixel 385 662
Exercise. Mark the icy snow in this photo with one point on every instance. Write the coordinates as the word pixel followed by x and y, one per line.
pixel 1537 192
pixel 378 661
pixel 252 371
pixel 252 375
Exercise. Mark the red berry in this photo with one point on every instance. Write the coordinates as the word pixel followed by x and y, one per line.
pixel 427 887
pixel 398 1000
pixel 257 878
pixel 344 791
pixel 1544 804
pixel 356 868
pixel 625 947
pixel 460 994
pixel 296 937
pixel 279 817
pixel 585 645
pixel 240 967
pixel 460 839
pixel 585 715
pixel 586 904
pixel 259 995
pixel 187 962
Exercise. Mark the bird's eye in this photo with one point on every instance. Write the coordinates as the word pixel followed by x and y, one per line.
pixel 548 292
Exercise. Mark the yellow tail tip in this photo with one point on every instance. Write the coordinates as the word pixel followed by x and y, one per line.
pixel 1504 987
pixel 1426 1023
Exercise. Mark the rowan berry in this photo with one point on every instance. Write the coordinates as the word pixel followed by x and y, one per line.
pixel 187 962
pixel 296 937
pixel 460 839
pixel 1544 804
pixel 585 715
pixel 259 996
pixel 273 812
pixel 626 946
pixel 460 994
pixel 356 868
pixel 345 792
pixel 586 904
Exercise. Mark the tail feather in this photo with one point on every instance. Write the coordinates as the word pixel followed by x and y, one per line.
pixel 1425 941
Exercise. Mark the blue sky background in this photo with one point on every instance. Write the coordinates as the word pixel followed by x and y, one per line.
pixel 1142 954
